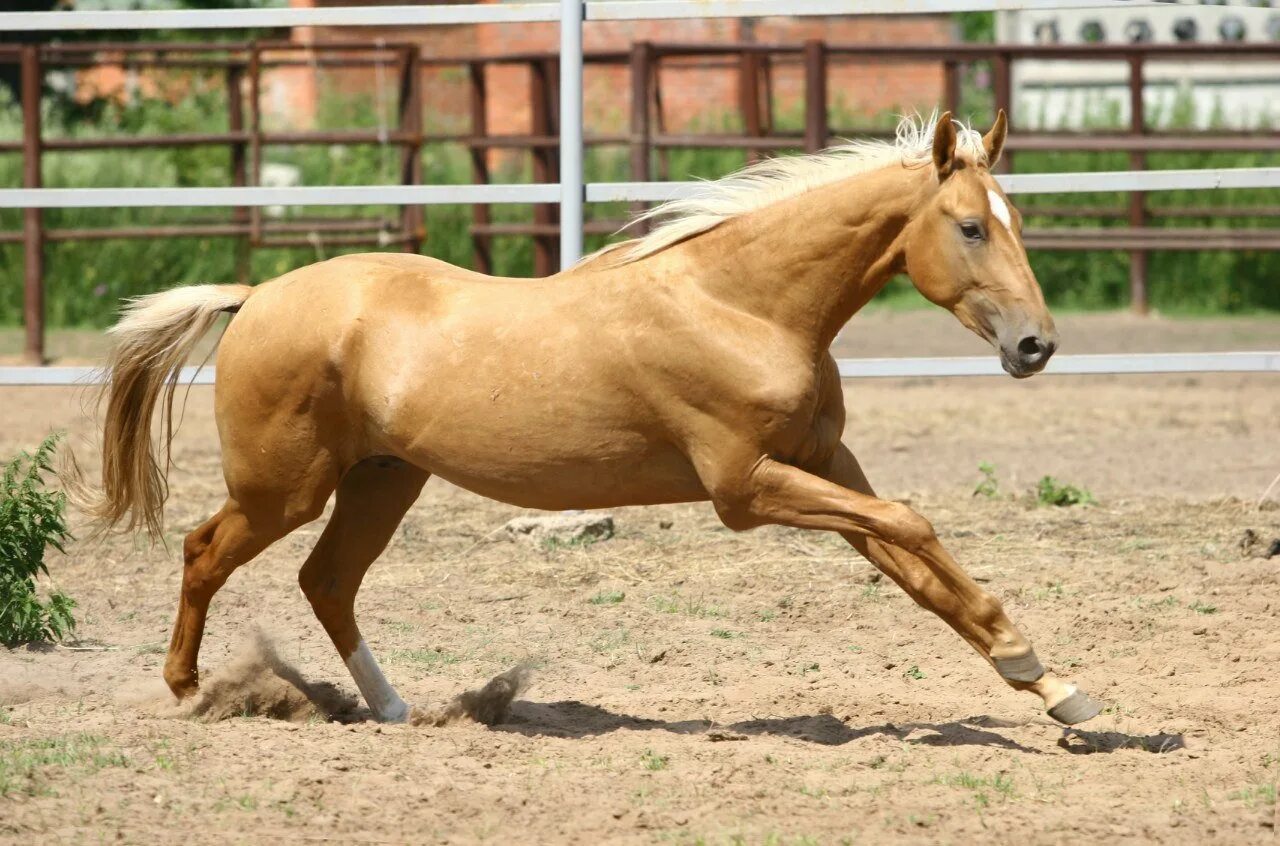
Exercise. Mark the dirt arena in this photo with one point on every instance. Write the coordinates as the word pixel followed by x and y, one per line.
pixel 690 685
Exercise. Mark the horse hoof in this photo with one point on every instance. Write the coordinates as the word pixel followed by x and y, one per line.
pixel 1076 708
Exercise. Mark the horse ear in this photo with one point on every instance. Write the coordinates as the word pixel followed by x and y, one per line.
pixel 944 146
pixel 993 141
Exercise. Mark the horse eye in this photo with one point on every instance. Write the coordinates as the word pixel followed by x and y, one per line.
pixel 971 230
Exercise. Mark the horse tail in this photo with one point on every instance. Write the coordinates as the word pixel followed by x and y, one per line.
pixel 152 341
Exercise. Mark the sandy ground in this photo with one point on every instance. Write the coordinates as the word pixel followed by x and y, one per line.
pixel 691 685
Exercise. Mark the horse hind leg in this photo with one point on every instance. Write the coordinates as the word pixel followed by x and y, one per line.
pixel 372 499
pixel 210 554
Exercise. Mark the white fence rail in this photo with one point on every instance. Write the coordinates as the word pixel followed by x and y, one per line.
pixel 595 192
pixel 850 368
pixel 571 192
pixel 546 12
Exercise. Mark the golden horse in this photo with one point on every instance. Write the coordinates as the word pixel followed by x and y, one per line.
pixel 691 364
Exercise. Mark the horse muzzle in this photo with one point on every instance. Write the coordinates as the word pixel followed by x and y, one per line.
pixel 1028 355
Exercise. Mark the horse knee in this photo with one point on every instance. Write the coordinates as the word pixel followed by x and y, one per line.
pixel 906 529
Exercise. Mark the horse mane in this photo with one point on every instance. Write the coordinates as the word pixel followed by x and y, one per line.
pixel 771 180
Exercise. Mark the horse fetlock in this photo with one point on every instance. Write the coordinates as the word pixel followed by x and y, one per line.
pixel 1019 668
pixel 182 681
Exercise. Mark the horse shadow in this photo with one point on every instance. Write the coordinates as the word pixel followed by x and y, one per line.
pixel 575 720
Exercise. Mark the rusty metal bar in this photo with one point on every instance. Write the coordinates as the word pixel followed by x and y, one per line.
pixel 239 166
pixel 479 163
pixel 749 97
pixel 32 218
pixel 951 87
pixel 1001 70
pixel 255 137
pixel 816 129
pixel 542 82
pixel 1138 258
pixel 641 130
pixel 410 117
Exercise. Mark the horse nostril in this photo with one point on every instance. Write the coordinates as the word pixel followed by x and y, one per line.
pixel 1032 347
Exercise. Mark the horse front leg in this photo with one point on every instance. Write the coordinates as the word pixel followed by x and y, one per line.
pixel 903 545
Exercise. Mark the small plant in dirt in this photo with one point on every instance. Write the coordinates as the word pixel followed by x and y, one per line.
pixel 32 520
pixel 725 634
pixel 1201 608
pixel 1049 491
pixel 607 597
pixel 688 606
pixel 24 762
pixel 653 761
pixel 913 672
pixel 989 487
pixel 1259 794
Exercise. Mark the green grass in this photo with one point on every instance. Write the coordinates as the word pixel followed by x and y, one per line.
pixel 607 597
pixel 86 280
pixel 687 606
pixel 1201 608
pixel 1258 795
pixel 653 761
pixel 984 787
pixel 431 659
pixel 23 762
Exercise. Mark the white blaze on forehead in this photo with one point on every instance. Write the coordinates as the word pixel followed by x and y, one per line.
pixel 999 209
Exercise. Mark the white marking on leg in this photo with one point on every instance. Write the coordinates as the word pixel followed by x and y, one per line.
pixel 379 695
pixel 999 209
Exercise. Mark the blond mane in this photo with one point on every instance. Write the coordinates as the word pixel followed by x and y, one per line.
pixel 772 180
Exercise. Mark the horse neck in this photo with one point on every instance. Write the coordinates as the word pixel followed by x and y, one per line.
pixel 810 262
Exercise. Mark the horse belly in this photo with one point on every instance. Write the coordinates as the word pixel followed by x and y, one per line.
pixel 546 456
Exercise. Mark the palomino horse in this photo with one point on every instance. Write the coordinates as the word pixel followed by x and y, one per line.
pixel 691 364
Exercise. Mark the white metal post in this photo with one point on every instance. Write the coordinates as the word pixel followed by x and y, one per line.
pixel 572 190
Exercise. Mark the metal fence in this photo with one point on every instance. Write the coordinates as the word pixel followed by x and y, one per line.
pixel 570 193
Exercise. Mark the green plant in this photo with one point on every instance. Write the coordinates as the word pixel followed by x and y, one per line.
pixel 607 597
pixel 913 672
pixel 1201 608
pixel 989 486
pixel 31 521
pixel 653 761
pixel 1049 491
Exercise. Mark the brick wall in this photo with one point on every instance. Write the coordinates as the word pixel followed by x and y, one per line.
pixel 696 94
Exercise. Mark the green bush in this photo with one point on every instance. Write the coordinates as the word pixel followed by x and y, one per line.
pixel 1049 491
pixel 31 521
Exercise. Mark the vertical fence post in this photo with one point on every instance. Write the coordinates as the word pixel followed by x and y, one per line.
pixel 1138 297
pixel 411 150
pixel 641 170
pixel 541 80
pixel 815 96
pixel 951 87
pixel 255 138
pixel 749 97
pixel 1001 69
pixel 480 240
pixel 32 220
pixel 572 193
pixel 239 165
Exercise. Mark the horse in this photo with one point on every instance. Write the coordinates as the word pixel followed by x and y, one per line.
pixel 689 364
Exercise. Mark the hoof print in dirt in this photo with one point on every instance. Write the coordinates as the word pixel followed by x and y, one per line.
pixel 561 529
